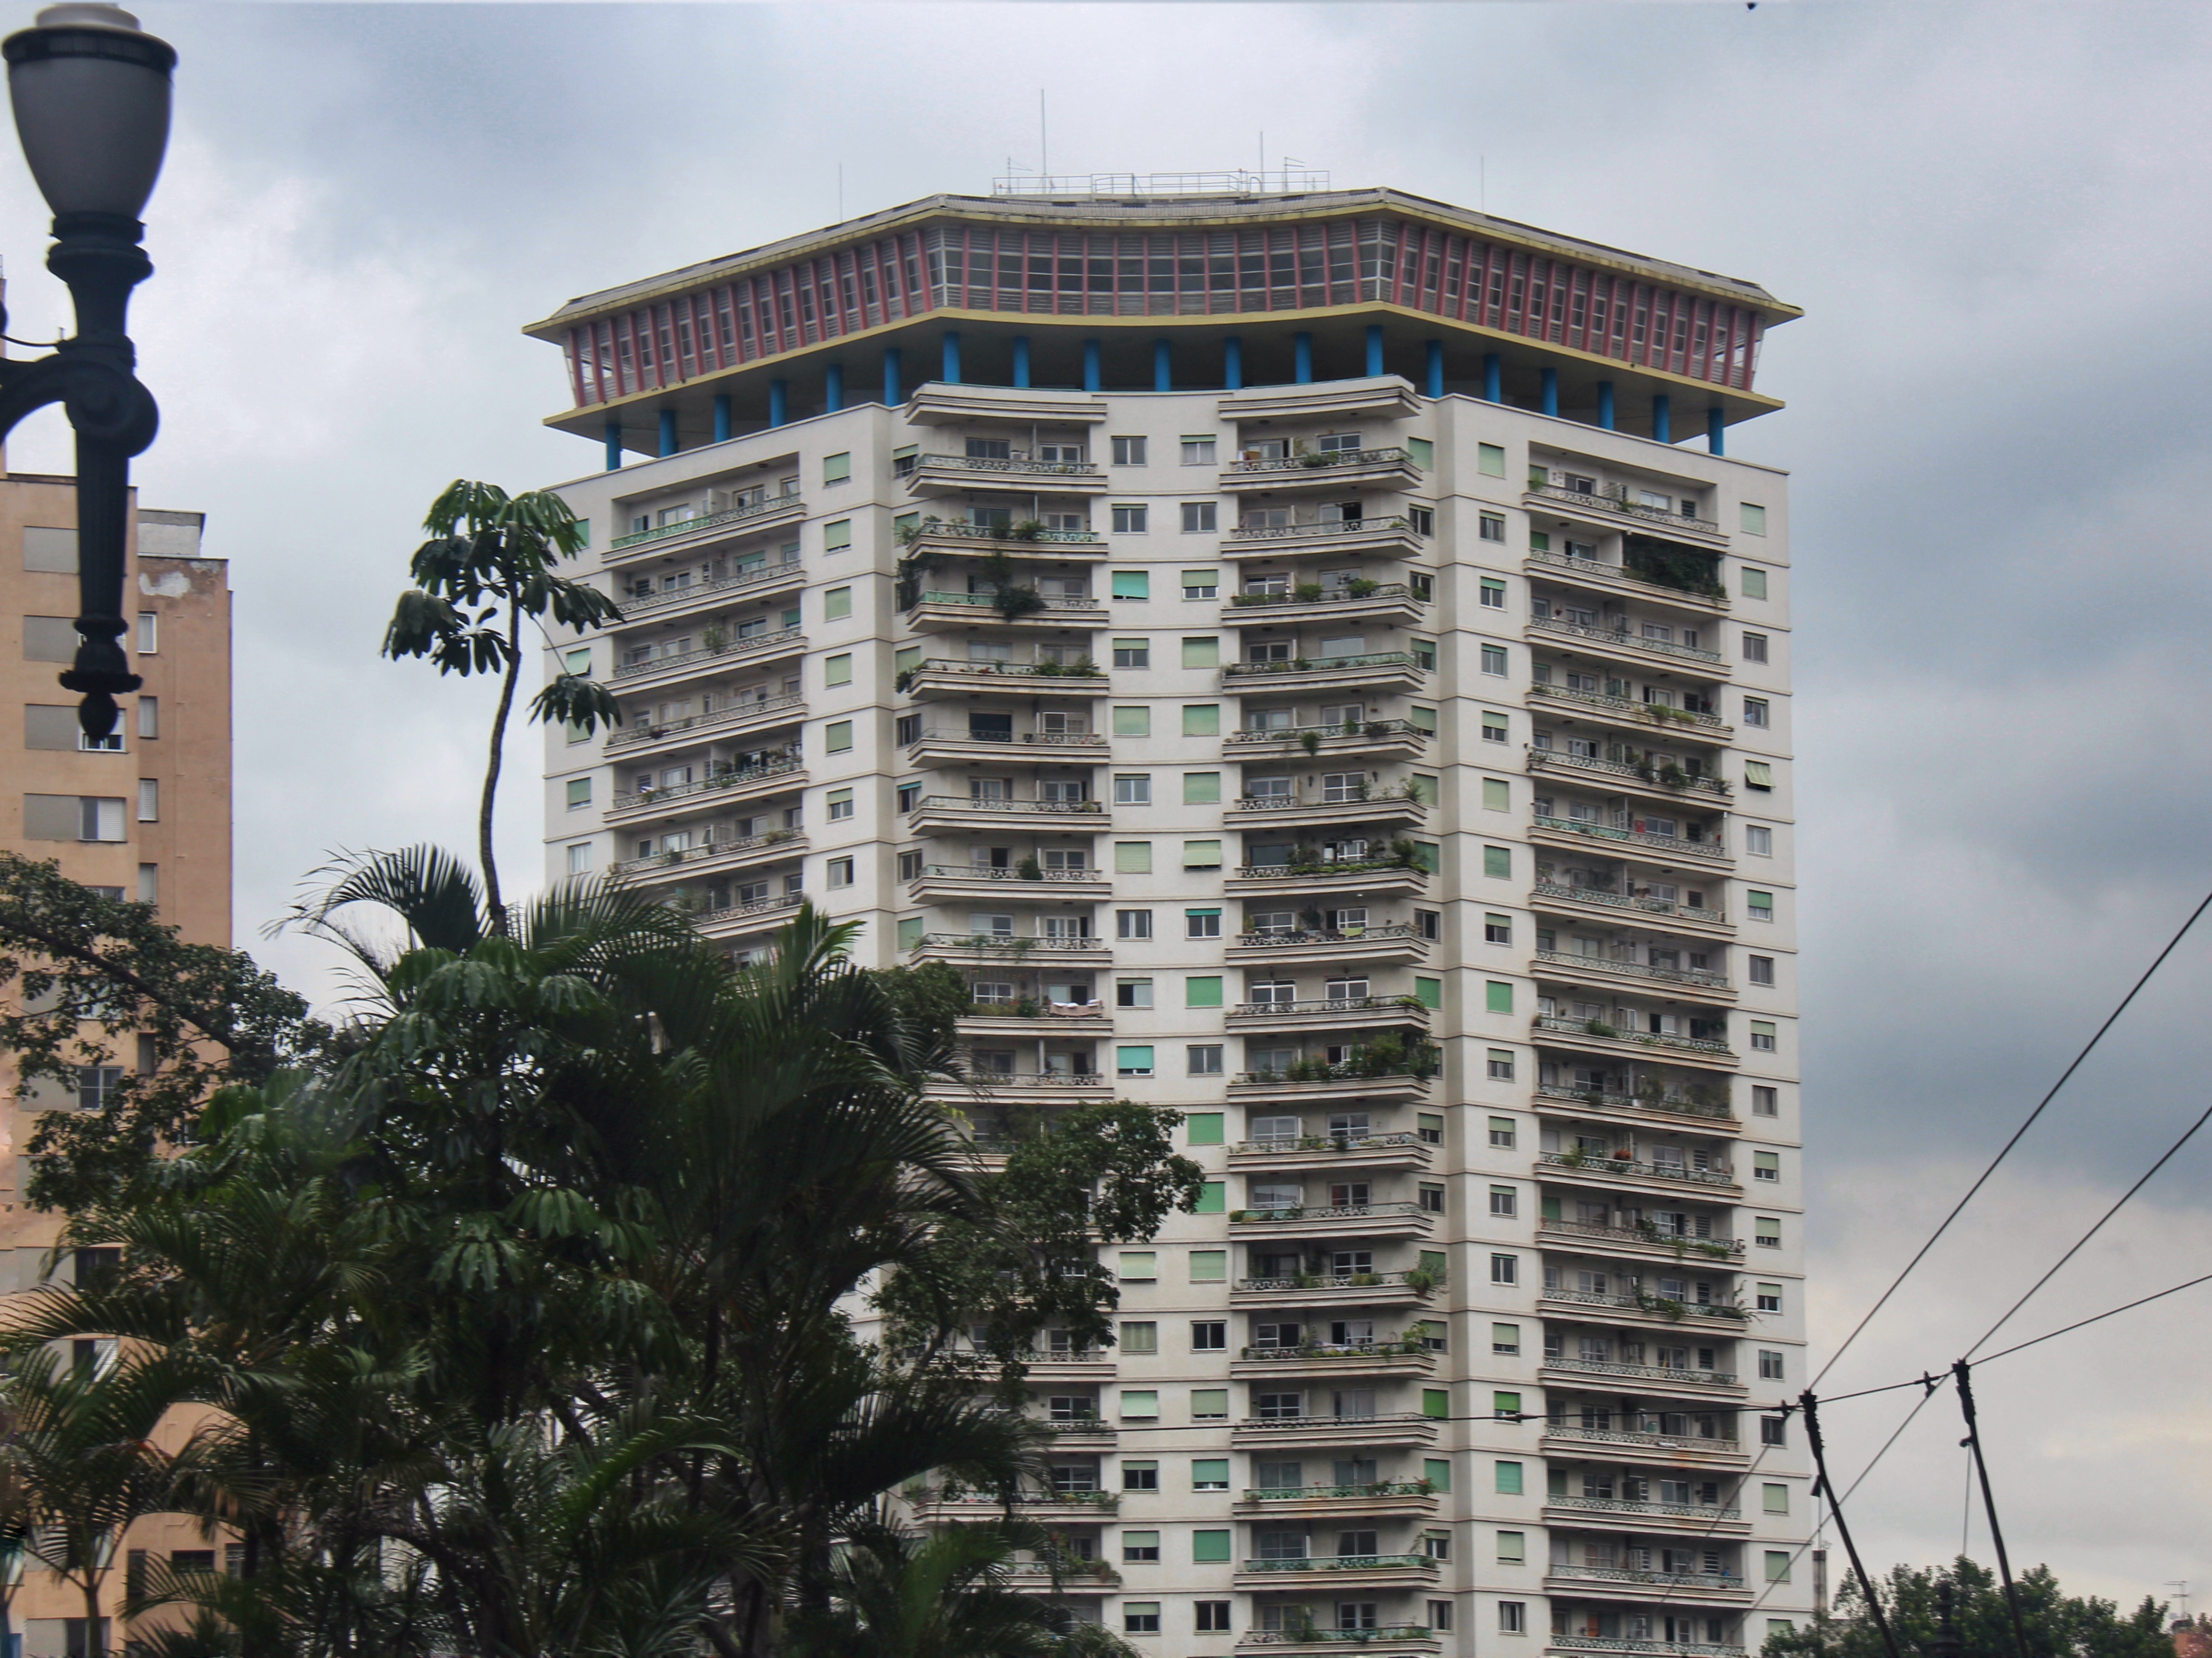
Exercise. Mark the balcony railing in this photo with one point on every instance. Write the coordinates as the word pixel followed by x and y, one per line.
pixel 1657 714
pixel 709 849
pixel 1038 1079
pixel 708 521
pixel 730 715
pixel 1713 1579
pixel 633 608
pixel 1671 1104
pixel 1374 729
pixel 1314 1211
pixel 1586 567
pixel 747 911
pixel 1318 461
pixel 1619 901
pixel 1324 1142
pixel 1317 1493
pixel 1293 803
pixel 1011 669
pixel 1013 463
pixel 1643 1038
pixel 1652 1437
pixel 728 779
pixel 1317 1424
pixel 1341 1563
pixel 1657 1306
pixel 1674 846
pixel 991 872
pixel 1003 943
pixel 1335 1281
pixel 956 529
pixel 1335 1350
pixel 1316 531
pixel 1304 1637
pixel 1647 1372
pixel 1672 1171
pixel 1620 637
pixel 734 647
pixel 1294 937
pixel 1316 871
pixel 973 802
pixel 1710 1249
pixel 1664 1649
pixel 1039 739
pixel 1680 976
pixel 1324 665
pixel 1669 1511
pixel 1317 1070
pixel 1330 596
pixel 1333 1005
pixel 986 602
pixel 1626 508
pixel 1553 760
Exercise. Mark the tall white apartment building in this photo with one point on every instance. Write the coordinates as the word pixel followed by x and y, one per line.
pixel 1271 646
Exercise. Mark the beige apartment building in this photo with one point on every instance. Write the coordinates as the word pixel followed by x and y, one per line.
pixel 1272 645
pixel 144 816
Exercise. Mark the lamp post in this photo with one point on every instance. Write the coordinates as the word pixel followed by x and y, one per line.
pixel 91 96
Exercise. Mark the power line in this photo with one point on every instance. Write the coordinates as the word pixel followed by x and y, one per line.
pixel 2006 1150
pixel 2068 1329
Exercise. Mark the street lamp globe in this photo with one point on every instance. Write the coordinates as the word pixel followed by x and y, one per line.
pixel 91 95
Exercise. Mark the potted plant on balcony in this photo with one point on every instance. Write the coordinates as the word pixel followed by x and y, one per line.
pixel 1420 1280
pixel 1360 587
pixel 1029 869
pixel 1309 741
pixel 712 637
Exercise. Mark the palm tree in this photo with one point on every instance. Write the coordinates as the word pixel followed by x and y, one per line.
pixel 491 561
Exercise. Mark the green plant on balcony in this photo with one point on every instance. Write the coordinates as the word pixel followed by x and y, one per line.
pixel 1574 1158
pixel 1028 1008
pixel 1029 529
pixel 1297 664
pixel 1307 592
pixel 714 637
pixel 1309 741
pixel 903 680
pixel 1306 1281
pixel 1014 603
pixel 1421 1280
pixel 1029 869
pixel 1674 776
pixel 1375 727
pixel 1084 668
pixel 1598 1027
pixel 1360 587
pixel 1714 1251
pixel 1364 1280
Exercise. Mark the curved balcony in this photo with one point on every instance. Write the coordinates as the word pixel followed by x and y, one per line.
pixel 1038 1505
pixel 1381 397
pixel 1332 1151
pixel 1617 579
pixel 1619 777
pixel 1698 984
pixel 1620 907
pixel 1625 646
pixel 957 538
pixel 693 533
pixel 738 919
pixel 1645 1240
pixel 631 676
pixel 971 881
pixel 634 742
pixel 1636 1445
pixel 956 747
pixel 1327 1085
pixel 1658 1112
pixel 1612 508
pixel 1078 1432
pixel 1560 1370
pixel 713 858
pixel 1677 1517
pixel 938 475
pixel 1639 1175
pixel 1382 1497
pixel 1392 942
pixel 1075 1576
pixel 1317 1643
pixel 1286 1432
pixel 1641 1648
pixel 1314 1222
pixel 1345 1013
pixel 942 813
pixel 1321 1291
pixel 949 403
pixel 934 612
pixel 1369 671
pixel 1051 1019
pixel 1256 813
pixel 1667 1585
pixel 1382 603
pixel 1385 535
pixel 671 602
pixel 1575 832
pixel 1594 1035
pixel 1337 1572
pixel 1391 467
pixel 709 794
pixel 997 949
pixel 1330 1359
pixel 1377 877
pixel 1643 1312
pixel 1373 739
pixel 1638 716
pixel 940 677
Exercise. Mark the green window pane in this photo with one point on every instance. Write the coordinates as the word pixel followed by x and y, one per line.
pixel 1425 856
pixel 1213 1199
pixel 1201 854
pixel 1132 722
pixel 1209 1472
pixel 1423 453
pixel 1202 1128
pixel 837 534
pixel 1498 996
pixel 1133 857
pixel 1429 992
pixel 1432 1261
pixel 1436 1401
pixel 909 658
pixel 1497 862
pixel 1754 518
pixel 1208 1266
pixel 1132 584
pixel 1142 1404
pixel 910 931
pixel 1540 541
pixel 1209 1547
pixel 1490 459
pixel 1490 583
pixel 1202 990
pixel 838 670
pixel 1497 794
pixel 1775 1499
pixel 1423 720
pixel 1132 1057
pixel 837 736
pixel 1201 719
pixel 578 662
pixel 1503 1403
pixel 1201 788
pixel 1437 1470
pixel 836 604
pixel 906 523
pixel 1509 1479
pixel 1755 582
pixel 1202 653
pixel 1758 774
pixel 837 469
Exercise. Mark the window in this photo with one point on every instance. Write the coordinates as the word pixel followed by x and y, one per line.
pixel 1133 653
pixel 840 804
pixel 1128 451
pixel 1512 1548
pixel 1213 1615
pixel 1768 1298
pixel 1134 923
pixel 1201 719
pixel 1132 789
pixel 149 801
pixel 149 633
pixel 837 534
pixel 1435 1545
pixel 911 930
pixel 1770 1365
pixel 1202 653
pixel 1130 518
pixel 1139 1265
pixel 836 604
pixel 841 872
pixel 1130 584
pixel 909 796
pixel 1759 774
pixel 1202 1128
pixel 1493 593
pixel 1761 905
pixel 1199 518
pixel 1432 1198
pixel 1201 854
pixel 1205 1061
pixel 1209 1265
pixel 1503 1132
pixel 1434 1402
pixel 1140 1545
pixel 1503 1202
pixel 1493 660
pixel 1430 1126
pixel 1509 1479
pixel 1140 1404
pixel 1422 521
pixel 579 792
pixel 1513 1618
pixel 1755 583
pixel 908 658
pixel 1132 722
pixel 1774 1430
pixel 1495 728
pixel 1428 992
pixel 1133 1060
pixel 1753 519
pixel 1758 841
pixel 149 716
pixel 1140 1336
pixel 1209 1336
pixel 1490 459
pixel 1498 996
pixel 1498 863
pixel 1421 719
pixel 1766 1101
pixel 837 469
pixel 1428 923
pixel 1766 1165
pixel 1497 929
pixel 1762 1035
pixel 1755 711
pixel 1506 1269
pixel 838 670
pixel 1493 527
pixel 1213 1199
pixel 1201 584
pixel 1766 1232
pixel 1202 990
pixel 1132 993
pixel 1201 923
pixel 1754 648
pixel 1201 788
pixel 837 737
pixel 579 858
pixel 1761 970
pixel 1777 1565
pixel 1141 1617
pixel 1210 1548
pixel 1506 1339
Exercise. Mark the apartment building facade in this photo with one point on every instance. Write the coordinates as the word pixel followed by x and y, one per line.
pixel 1277 655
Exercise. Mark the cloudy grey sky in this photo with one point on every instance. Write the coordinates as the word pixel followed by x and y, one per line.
pixel 1995 217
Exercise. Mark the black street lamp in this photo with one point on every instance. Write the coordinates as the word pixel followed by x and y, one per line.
pixel 91 94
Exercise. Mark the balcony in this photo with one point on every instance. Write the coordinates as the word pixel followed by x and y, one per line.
pixel 1388 605
pixel 1672 1178
pixel 727 788
pixel 1653 1648
pixel 1646 1241
pixel 1404 1359
pixel 1624 711
pixel 1612 509
pixel 1667 1585
pixel 935 612
pixel 1337 1572
pixel 937 814
pixel 981 881
pixel 737 919
pixel 1285 1432
pixel 1256 813
pixel 1076 1576
pixel 1656 1110
pixel 1390 468
pixel 1621 645
pixel 953 746
pixel 1313 1222
pixel 1636 1445
pixel 1594 1035
pixel 1377 877
pixel 1318 1290
pixel 1382 1497
pixel 1701 984
pixel 997 949
pixel 694 533
pixel 1619 907
pixel 1394 942
pixel 1078 1432
pixel 633 742
pixel 1321 1083
pixel 1616 579
pixel 1373 739
pixel 633 676
pixel 714 857
pixel 1668 782
pixel 956 1504
pixel 1561 1371
pixel 1383 397
pixel 1391 535
pixel 940 677
pixel 1330 1013
pixel 1331 1151
pixel 1048 1020
pixel 1679 1517
pixel 671 603
pixel 1325 1643
pixel 940 402
pixel 1645 1312
pixel 941 475
pixel 957 538
pixel 1578 832
pixel 1369 670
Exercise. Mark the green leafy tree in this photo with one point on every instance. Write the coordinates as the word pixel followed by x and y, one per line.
pixel 2058 1624
pixel 492 560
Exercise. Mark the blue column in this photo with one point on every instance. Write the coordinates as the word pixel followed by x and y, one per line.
pixel 1232 363
pixel 721 416
pixel 1716 429
pixel 951 367
pixel 1662 418
pixel 1493 378
pixel 1303 344
pixel 1435 371
pixel 894 394
pixel 1021 359
pixel 1605 404
pixel 833 387
pixel 614 446
pixel 1163 366
pixel 778 402
pixel 1374 349
pixel 1551 391
pixel 1091 365
pixel 668 432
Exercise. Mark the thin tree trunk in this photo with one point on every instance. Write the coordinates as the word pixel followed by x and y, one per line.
pixel 94 1641
pixel 493 903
